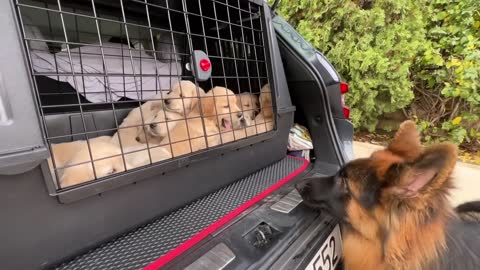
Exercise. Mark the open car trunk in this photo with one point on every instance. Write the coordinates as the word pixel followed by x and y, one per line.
pixel 234 202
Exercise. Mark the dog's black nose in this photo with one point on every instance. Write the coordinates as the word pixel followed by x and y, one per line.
pixel 137 139
pixel 167 101
pixel 154 125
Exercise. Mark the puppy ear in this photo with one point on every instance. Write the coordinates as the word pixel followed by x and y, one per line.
pixel 208 106
pixel 429 172
pixel 406 142
pixel 193 104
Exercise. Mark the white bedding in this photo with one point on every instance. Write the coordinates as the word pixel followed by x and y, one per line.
pixel 97 88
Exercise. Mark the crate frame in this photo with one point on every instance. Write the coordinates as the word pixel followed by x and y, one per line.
pixel 98 186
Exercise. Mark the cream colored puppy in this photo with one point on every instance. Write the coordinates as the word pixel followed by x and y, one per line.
pixel 265 120
pixel 128 130
pixel 142 155
pixel 225 108
pixel 182 98
pixel 220 114
pixel 179 102
pixel 230 118
pixel 159 128
pixel 192 135
pixel 62 153
pixel 107 160
pixel 248 103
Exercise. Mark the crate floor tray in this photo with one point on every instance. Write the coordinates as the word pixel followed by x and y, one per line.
pixel 160 241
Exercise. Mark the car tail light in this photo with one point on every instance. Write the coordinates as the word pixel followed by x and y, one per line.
pixel 343 90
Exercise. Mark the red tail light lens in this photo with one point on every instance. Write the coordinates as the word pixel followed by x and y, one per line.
pixel 343 90
pixel 346 112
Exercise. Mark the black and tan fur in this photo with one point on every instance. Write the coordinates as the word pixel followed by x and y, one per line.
pixel 394 209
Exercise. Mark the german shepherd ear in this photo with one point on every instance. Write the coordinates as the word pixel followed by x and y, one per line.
pixel 429 171
pixel 406 142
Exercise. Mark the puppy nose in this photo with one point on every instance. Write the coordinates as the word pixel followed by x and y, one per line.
pixel 167 101
pixel 153 125
pixel 137 139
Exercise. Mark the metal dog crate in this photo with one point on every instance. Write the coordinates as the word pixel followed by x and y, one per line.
pixel 41 107
pixel 93 61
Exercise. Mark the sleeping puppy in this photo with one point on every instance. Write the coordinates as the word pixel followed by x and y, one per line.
pixel 128 130
pixel 217 112
pixel 62 153
pixel 107 159
pixel 141 155
pixel 179 102
pixel 232 122
pixel 249 104
pixel 179 99
pixel 182 98
pixel 265 120
pixel 224 108
pixel 159 127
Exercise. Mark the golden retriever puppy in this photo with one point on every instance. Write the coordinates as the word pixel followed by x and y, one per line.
pixel 249 104
pixel 107 160
pixel 220 114
pixel 159 128
pixel 238 134
pixel 265 120
pixel 62 153
pixel 179 102
pixel 231 121
pixel 191 135
pixel 136 118
pixel 142 155
pixel 182 98
pixel 224 108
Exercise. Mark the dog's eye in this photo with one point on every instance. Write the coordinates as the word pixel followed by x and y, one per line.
pixel 226 107
pixel 169 92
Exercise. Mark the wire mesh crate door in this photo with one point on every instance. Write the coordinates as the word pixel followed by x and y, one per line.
pixel 98 71
pixel 103 71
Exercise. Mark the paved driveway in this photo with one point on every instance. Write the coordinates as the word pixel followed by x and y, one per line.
pixel 466 176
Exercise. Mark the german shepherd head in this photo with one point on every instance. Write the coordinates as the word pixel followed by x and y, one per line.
pixel 393 206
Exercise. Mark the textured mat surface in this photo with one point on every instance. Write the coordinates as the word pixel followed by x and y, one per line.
pixel 144 245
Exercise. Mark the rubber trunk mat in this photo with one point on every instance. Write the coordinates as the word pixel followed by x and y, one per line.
pixel 158 242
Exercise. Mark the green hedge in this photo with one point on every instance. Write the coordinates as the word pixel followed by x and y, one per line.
pixel 447 74
pixel 391 51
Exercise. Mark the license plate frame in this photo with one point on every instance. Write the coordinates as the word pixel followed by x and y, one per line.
pixel 328 255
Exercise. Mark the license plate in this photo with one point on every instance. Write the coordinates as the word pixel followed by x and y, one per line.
pixel 329 254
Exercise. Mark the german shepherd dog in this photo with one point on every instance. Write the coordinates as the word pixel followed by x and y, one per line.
pixel 394 211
